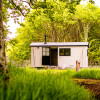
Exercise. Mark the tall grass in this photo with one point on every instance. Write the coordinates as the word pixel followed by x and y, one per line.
pixel 32 84
pixel 89 73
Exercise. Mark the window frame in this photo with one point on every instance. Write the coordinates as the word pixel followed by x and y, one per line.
pixel 64 52
pixel 45 51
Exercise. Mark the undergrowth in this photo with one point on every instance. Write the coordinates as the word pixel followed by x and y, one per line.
pixel 33 84
pixel 89 73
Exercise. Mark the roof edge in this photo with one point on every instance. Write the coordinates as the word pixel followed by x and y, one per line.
pixel 41 44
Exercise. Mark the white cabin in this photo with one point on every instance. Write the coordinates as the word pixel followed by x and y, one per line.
pixel 61 54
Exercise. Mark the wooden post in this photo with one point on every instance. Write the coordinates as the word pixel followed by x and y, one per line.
pixel 76 65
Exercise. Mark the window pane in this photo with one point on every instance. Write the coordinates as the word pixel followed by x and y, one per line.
pixel 61 52
pixel 47 53
pixel 65 52
pixel 44 53
pixel 45 49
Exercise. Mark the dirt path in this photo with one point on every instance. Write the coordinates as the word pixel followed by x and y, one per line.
pixel 92 84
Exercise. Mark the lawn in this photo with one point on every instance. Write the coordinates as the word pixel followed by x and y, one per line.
pixel 33 84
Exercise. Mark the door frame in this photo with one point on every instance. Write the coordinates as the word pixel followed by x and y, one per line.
pixel 57 56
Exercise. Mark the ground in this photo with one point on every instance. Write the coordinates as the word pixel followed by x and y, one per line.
pixel 92 84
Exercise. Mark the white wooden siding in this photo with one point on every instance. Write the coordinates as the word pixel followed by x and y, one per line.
pixel 77 53
pixel 36 56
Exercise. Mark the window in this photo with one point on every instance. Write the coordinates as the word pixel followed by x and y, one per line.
pixel 64 52
pixel 46 52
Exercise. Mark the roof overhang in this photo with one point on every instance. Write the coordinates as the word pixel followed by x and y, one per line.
pixel 57 44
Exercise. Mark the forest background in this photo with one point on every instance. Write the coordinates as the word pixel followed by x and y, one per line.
pixel 60 20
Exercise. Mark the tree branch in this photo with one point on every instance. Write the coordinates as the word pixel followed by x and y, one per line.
pixel 27 3
pixel 16 7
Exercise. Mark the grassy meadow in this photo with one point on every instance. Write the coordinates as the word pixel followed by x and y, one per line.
pixel 33 84
pixel 88 73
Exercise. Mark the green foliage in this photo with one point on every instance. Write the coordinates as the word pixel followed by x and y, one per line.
pixel 93 73
pixel 32 84
pixel 86 13
pixel 5 15
pixel 94 52
pixel 71 4
pixel 40 22
pixel 92 1
pixel 4 10
pixel 53 18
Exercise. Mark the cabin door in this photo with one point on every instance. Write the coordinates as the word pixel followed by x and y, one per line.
pixel 45 56
pixel 54 56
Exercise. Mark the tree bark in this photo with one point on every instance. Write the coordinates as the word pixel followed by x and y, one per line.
pixel 3 65
pixel 86 30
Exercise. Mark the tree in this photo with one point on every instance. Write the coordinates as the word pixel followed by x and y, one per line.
pixel 92 1
pixel 53 18
pixel 3 65
pixel 94 51
pixel 86 15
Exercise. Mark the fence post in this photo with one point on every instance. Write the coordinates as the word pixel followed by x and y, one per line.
pixel 77 66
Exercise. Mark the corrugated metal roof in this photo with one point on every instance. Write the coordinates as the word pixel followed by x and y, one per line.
pixel 48 44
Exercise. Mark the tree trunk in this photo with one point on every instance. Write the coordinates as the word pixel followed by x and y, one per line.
pixel 3 65
pixel 86 30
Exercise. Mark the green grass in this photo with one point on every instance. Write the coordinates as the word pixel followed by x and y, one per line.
pixel 89 73
pixel 33 84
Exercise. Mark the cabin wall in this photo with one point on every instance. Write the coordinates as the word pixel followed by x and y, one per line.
pixel 77 53
pixel 36 56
